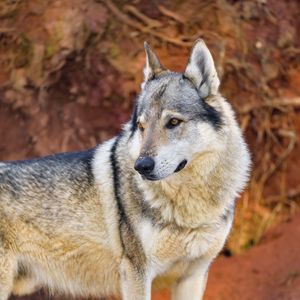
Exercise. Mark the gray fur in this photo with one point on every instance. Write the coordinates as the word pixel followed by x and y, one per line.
pixel 171 90
pixel 32 189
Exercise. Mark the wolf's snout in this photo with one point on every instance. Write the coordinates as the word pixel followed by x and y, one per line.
pixel 144 165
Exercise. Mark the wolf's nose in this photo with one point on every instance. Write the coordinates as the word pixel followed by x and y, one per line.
pixel 144 165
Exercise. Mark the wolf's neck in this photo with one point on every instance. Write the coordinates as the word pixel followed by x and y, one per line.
pixel 190 197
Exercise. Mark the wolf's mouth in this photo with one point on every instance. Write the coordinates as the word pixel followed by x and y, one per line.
pixel 181 166
pixel 154 178
pixel 150 177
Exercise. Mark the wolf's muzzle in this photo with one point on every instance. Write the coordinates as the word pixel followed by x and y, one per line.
pixel 144 165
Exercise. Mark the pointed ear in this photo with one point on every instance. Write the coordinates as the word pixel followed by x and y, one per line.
pixel 153 66
pixel 201 70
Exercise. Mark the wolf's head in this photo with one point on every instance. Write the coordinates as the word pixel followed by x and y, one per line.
pixel 176 116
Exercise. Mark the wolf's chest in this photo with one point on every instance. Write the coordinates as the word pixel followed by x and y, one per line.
pixel 165 246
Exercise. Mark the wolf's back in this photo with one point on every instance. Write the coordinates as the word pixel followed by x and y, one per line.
pixel 45 182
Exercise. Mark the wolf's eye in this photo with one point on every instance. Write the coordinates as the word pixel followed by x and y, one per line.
pixel 140 126
pixel 173 123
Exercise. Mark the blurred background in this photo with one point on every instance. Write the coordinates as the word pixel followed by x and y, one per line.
pixel 70 72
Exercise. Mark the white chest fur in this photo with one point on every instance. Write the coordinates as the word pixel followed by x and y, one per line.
pixel 169 245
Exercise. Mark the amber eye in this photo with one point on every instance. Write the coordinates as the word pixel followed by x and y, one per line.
pixel 173 123
pixel 140 126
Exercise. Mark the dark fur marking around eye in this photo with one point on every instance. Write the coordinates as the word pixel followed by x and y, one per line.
pixel 211 115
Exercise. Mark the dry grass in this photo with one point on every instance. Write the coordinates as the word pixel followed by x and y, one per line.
pixel 259 208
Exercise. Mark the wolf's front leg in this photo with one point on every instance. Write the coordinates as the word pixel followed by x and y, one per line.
pixel 135 284
pixel 192 285
pixel 7 267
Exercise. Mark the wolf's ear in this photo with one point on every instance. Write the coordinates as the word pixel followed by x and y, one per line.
pixel 201 70
pixel 153 66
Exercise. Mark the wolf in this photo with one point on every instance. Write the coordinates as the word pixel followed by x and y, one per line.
pixel 151 207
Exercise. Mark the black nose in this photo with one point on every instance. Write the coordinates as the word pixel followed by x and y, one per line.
pixel 144 165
